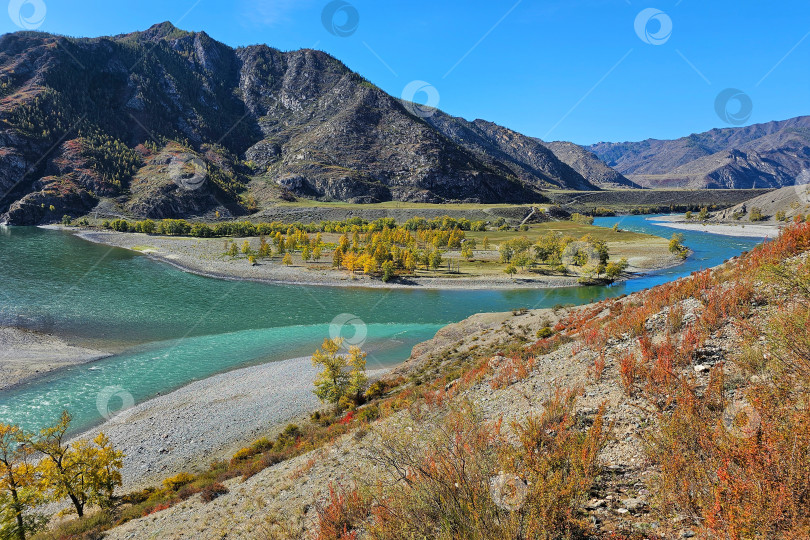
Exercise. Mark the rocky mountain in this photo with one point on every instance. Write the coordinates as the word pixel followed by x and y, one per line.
pixel 767 155
pixel 558 164
pixel 527 158
pixel 589 165
pixel 169 123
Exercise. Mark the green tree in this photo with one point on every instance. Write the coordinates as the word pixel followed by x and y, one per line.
pixel 511 270
pixel 435 259
pixel 614 270
pixel 341 375
pixel 505 252
pixel 387 271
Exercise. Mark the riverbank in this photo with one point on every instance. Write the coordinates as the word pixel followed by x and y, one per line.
pixel 748 230
pixel 26 355
pixel 204 256
pixel 208 420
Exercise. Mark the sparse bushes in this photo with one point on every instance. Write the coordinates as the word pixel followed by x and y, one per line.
pixel 211 492
pixel 545 332
pixel 464 480
pixel 582 219
pixel 756 214
pixel 737 464
pixel 177 481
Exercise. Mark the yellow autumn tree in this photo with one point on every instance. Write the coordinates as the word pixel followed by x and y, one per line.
pixel 350 261
pixel 83 471
pixel 342 377
pixel 19 487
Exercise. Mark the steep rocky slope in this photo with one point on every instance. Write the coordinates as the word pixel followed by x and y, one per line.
pixel 589 165
pixel 758 156
pixel 119 119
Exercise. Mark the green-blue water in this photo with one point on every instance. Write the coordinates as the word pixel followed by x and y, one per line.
pixel 178 327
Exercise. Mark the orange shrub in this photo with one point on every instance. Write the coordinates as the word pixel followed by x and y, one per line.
pixel 627 371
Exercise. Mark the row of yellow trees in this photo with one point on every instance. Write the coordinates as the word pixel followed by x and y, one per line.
pixel 44 467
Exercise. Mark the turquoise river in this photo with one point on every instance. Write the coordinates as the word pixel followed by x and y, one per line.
pixel 171 327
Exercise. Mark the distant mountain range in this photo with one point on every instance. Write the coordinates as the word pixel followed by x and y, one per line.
pixel 768 155
pixel 169 123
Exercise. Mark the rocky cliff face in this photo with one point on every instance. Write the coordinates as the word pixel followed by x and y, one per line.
pixel 84 121
pixel 774 154
pixel 589 165
pixel 525 157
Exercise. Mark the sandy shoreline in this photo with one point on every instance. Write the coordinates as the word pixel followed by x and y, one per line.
pixel 26 355
pixel 749 230
pixel 203 256
pixel 187 429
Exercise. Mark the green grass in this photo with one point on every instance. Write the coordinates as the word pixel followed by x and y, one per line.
pixel 567 228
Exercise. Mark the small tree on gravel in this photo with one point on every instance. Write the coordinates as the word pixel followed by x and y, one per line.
pixel 343 376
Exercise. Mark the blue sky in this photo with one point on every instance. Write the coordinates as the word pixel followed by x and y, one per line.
pixel 556 69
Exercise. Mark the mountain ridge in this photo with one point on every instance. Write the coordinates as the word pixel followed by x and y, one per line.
pixel 771 154
pixel 86 121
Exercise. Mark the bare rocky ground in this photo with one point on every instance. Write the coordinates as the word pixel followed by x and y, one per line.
pixel 25 354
